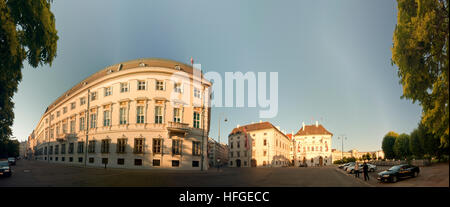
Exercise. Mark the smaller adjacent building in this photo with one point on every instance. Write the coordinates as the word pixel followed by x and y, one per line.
pixel 312 146
pixel 23 149
pixel 258 145
pixel 217 153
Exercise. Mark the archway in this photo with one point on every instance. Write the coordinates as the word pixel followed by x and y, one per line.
pixel 320 161
pixel 238 163
pixel 253 163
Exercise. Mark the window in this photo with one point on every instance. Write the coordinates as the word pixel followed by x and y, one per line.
pixel 108 91
pixel 196 120
pixel 238 154
pixel 93 96
pixel 91 160
pixel 238 144
pixel 82 123
pixel 140 114
pixel 80 159
pixel 82 101
pixel 177 115
pixel 80 147
pixel 195 163
pixel 63 149
pixel 58 113
pixel 196 150
pixel 265 153
pixel 158 115
pixel 157 143
pixel 159 85
pixel 63 159
pixel 105 146
pixel 231 145
pixel 57 129
pixel 176 147
pixel 51 133
pixel 104 160
pixel 72 105
pixel 123 115
pixel 70 159
pixel 138 162
pixel 93 120
pixel 139 145
pixel 64 128
pixel 71 148
pixel 123 87
pixel 91 147
pixel 197 93
pixel 175 163
pixel 141 85
pixel 120 161
pixel 265 142
pixel 64 110
pixel 156 162
pixel 106 118
pixel 121 143
pixel 177 88
pixel 56 149
pixel 231 154
pixel 72 126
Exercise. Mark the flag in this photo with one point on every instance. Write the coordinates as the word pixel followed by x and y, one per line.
pixel 192 61
pixel 246 138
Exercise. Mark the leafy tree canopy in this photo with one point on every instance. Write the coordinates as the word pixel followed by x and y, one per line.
pixel 420 50
pixel 388 144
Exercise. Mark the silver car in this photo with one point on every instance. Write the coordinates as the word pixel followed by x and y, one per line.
pixel 351 169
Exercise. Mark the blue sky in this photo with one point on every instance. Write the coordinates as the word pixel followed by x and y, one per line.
pixel 332 58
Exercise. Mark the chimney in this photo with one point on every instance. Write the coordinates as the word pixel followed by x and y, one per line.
pixel 317 123
pixel 303 126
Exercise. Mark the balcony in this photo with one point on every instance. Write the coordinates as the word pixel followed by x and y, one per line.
pixel 175 126
pixel 65 136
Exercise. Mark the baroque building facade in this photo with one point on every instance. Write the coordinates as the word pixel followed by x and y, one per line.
pixel 258 145
pixel 312 146
pixel 144 113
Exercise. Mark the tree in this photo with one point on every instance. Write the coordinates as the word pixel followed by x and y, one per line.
pixel 415 145
pixel 27 32
pixel 420 50
pixel 388 144
pixel 401 146
pixel 430 142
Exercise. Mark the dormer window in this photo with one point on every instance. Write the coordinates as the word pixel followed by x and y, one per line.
pixel 177 67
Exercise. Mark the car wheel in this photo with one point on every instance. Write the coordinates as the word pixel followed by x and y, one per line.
pixel 372 170
pixel 394 179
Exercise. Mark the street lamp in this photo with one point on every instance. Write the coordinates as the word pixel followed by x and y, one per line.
pixel 342 137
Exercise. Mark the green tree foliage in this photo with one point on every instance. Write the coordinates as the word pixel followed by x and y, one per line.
pixel 401 146
pixel 9 148
pixel 27 32
pixel 420 50
pixel 388 144
pixel 415 145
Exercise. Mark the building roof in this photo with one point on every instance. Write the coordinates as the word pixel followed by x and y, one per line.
pixel 289 135
pixel 313 130
pixel 255 127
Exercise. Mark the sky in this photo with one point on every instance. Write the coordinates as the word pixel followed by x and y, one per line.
pixel 332 58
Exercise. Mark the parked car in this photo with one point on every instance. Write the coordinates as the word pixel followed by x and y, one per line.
pixel 12 160
pixel 398 171
pixel 5 169
pixel 372 168
pixel 350 164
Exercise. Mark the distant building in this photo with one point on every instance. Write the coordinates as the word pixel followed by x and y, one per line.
pixel 312 145
pixel 257 145
pixel 23 149
pixel 217 153
pixel 338 155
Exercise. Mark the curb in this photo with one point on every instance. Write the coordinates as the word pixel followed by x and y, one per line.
pixel 370 185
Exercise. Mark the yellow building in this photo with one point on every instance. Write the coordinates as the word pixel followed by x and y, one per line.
pixel 144 113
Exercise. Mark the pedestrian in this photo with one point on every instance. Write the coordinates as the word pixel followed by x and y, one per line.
pixel 366 171
pixel 356 169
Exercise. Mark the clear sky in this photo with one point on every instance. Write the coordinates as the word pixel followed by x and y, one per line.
pixel 332 58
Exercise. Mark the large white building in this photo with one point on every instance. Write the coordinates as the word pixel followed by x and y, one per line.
pixel 217 153
pixel 144 113
pixel 259 144
pixel 312 146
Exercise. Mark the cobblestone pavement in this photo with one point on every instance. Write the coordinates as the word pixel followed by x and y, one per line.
pixel 37 173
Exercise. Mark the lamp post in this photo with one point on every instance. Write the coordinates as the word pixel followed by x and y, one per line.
pixel 342 137
pixel 225 120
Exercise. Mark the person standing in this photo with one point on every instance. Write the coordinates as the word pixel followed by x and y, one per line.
pixel 366 171
pixel 356 169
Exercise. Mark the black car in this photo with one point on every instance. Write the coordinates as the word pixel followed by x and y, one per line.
pixel 5 169
pixel 398 171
